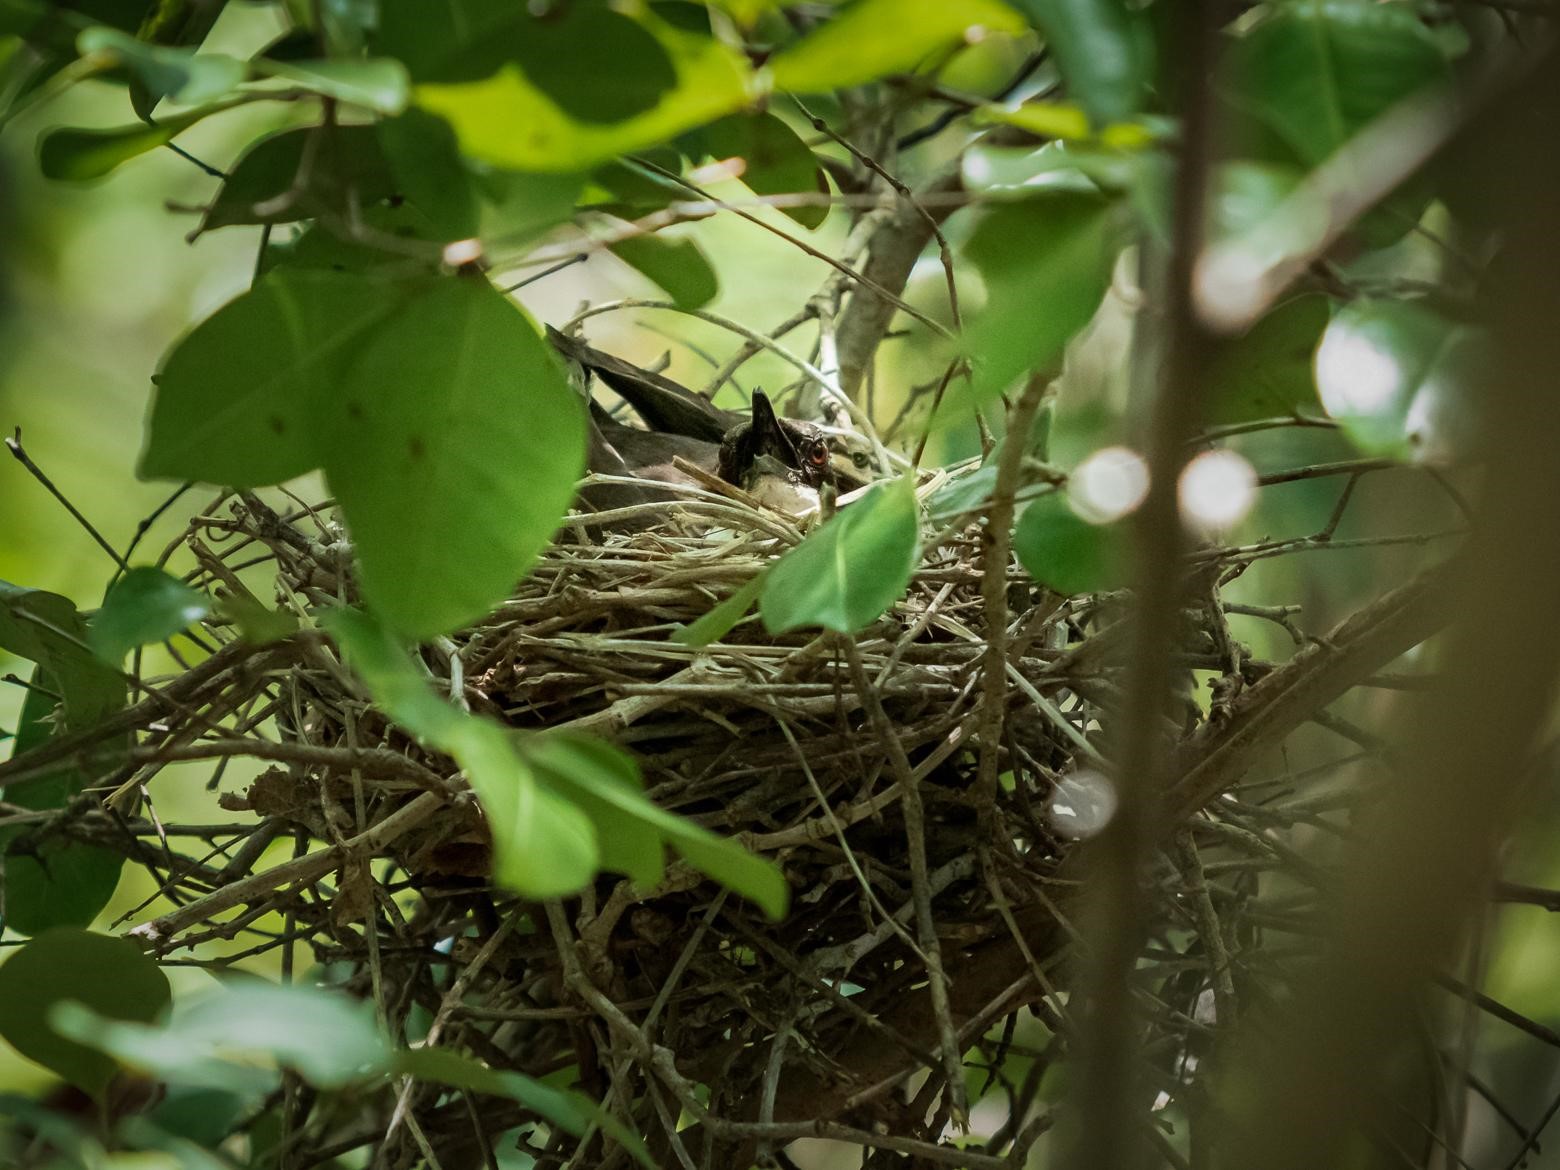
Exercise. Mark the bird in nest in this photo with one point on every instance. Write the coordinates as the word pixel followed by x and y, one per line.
pixel 782 463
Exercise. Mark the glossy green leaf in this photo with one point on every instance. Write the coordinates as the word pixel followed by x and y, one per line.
pixel 543 846
pixel 111 976
pixel 349 162
pixel 456 424
pixel 1066 553
pixel 1316 71
pixel 45 628
pixel 712 80
pixel 678 266
pixel 145 605
pixel 774 159
pixel 218 1040
pixel 181 74
pixel 1385 369
pixel 605 782
pixel 847 573
pixel 1019 172
pixel 237 399
pixel 1046 265
pixel 1101 50
pixel 873 38
pixel 380 84
pixel 427 168
pixel 78 155
pixel 1266 372
pixel 718 622
pixel 571 1111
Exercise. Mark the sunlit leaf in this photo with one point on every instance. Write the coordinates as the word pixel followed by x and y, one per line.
pixel 378 83
pixel 1386 369
pixel 77 155
pixel 847 573
pixel 455 424
pixel 181 74
pixel 329 1039
pixel 145 605
pixel 1066 553
pixel 718 622
pixel 236 399
pixel 605 782
pixel 1021 171
pixel 873 38
pixel 1102 51
pixel 678 266
pixel 1046 264
pixel 543 845
pixel 111 976
pixel 712 80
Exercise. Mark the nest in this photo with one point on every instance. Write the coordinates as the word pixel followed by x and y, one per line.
pixel 683 1002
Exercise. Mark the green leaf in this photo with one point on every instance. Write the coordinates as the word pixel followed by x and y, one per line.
pixel 428 170
pixel 145 605
pixel 453 446
pixel 570 1111
pixel 844 575
pixel 716 624
pixel 451 41
pixel 329 1039
pixel 380 84
pixel 181 74
pixel 775 160
pixel 78 155
pixel 1065 552
pixel 1046 265
pixel 543 846
pixel 605 782
pixel 712 80
pixel 1317 71
pixel 1102 51
pixel 563 54
pixel 347 162
pixel 678 266
pixel 237 399
pixel 1008 172
pixel 873 38
pixel 521 207
pixel 1386 369
pixel 109 975
pixel 53 880
pixel 1266 372
pixel 45 628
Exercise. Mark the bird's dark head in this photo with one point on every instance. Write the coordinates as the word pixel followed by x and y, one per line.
pixel 768 446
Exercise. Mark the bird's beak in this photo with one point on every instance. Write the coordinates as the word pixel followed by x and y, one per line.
pixel 768 434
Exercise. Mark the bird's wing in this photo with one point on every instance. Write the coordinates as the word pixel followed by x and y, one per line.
pixel 662 403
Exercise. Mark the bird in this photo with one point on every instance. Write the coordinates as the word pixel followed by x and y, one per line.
pixel 781 462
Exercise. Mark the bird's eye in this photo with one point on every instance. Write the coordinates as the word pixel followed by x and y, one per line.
pixel 817 454
pixel 860 459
